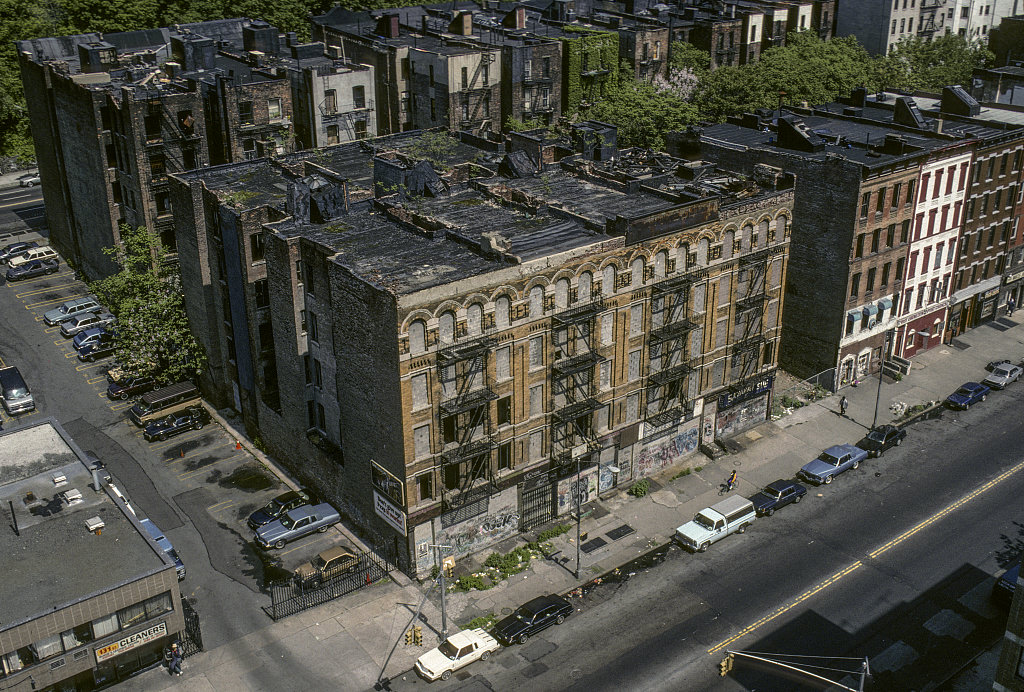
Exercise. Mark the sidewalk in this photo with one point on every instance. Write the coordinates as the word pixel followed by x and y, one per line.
pixel 360 629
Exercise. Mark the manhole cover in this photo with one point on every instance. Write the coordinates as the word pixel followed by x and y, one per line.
pixel 575 673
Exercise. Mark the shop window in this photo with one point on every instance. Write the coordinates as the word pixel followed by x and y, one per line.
pixel 101 627
pixel 132 615
pixel 158 605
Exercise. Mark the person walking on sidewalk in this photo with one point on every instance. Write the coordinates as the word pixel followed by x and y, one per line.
pixel 1010 305
pixel 843 403
pixel 174 659
pixel 731 483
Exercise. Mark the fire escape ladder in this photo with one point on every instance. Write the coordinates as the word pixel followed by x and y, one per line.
pixel 749 335
pixel 668 348
pixel 573 380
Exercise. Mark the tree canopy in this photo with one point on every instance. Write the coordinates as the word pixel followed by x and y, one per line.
pixel 152 336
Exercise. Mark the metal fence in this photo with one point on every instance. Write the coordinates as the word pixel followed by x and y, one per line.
pixel 291 597
pixel 804 392
pixel 192 639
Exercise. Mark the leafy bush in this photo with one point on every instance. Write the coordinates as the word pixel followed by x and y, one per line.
pixel 470 582
pixel 553 532
pixel 684 472
pixel 483 621
pixel 640 488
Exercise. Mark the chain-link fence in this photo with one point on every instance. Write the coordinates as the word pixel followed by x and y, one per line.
pixel 803 392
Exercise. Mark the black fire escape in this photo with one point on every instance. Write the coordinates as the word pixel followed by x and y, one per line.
pixel 748 335
pixel 573 382
pixel 668 397
pixel 465 422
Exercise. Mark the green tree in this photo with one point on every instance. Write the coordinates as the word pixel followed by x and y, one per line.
pixel 930 65
pixel 642 113
pixel 812 70
pixel 153 336
pixel 686 56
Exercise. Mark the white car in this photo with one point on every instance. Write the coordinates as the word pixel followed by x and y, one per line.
pixel 458 650
pixel 1002 375
pixel 29 180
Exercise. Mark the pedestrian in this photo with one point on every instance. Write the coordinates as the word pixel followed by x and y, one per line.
pixel 843 403
pixel 174 660
pixel 731 483
pixel 1010 305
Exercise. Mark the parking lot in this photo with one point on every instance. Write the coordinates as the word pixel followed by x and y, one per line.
pixel 199 486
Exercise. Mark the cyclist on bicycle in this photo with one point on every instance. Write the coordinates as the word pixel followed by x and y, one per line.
pixel 731 483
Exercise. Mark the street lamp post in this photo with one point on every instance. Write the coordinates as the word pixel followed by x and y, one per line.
pixel 444 589
pixel 881 369
pixel 578 517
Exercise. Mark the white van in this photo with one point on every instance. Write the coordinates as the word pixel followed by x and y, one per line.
pixel 33 253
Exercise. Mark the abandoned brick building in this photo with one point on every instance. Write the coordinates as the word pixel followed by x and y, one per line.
pixel 113 114
pixel 441 346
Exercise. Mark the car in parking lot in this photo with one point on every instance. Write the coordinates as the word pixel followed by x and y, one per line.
pixel 967 395
pixel 124 386
pixel 327 565
pixel 90 320
pixel 831 463
pixel 532 617
pixel 30 270
pixel 882 438
pixel 777 495
pixel 95 350
pixel 15 249
pixel 1003 375
pixel 296 523
pixel 72 308
pixel 281 504
pixel 190 419
pixel 29 180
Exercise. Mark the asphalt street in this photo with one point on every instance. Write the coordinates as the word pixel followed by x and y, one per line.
pixel 21 207
pixel 852 571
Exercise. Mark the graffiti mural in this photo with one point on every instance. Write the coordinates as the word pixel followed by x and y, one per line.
pixel 668 451
pixel 739 418
pixel 569 488
pixel 499 522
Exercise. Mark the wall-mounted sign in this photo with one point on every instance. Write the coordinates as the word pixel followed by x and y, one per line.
pixel 749 391
pixel 389 513
pixel 387 483
pixel 132 641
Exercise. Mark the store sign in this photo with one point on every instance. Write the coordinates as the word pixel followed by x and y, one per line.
pixel 389 513
pixel 387 483
pixel 132 641
pixel 755 388
pixel 1016 276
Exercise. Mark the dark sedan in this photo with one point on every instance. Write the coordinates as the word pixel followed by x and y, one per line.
pixel 32 269
pixel 969 393
pixel 279 505
pixel 101 348
pixel 532 617
pixel 15 249
pixel 776 495
pixel 882 438
pixel 193 418
pixel 129 386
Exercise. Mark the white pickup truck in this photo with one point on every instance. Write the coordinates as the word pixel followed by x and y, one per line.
pixel 732 515
pixel 458 650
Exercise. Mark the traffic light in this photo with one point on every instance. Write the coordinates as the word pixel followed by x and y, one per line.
pixel 408 639
pixel 417 635
pixel 448 565
pixel 725 665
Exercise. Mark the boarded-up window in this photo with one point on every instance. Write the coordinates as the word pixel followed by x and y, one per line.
pixel 724 290
pixel 536 445
pixel 700 297
pixel 607 328
pixel 717 373
pixel 608 280
pixel 562 293
pixel 721 332
pixel 605 375
pixel 536 301
pixel 634 365
pixel 633 407
pixel 446 328
pixel 417 337
pixel 697 342
pixel 502 307
pixel 474 319
pixel 421 441
pixel 660 264
pixel 602 418
pixel 503 362
pixel 420 398
pixel 771 315
pixel 638 272
pixel 702 252
pixel 657 312
pixel 727 243
pixel 776 273
pixel 536 352
pixel 447 377
pixel 584 287
pixel 636 319
pixel 536 400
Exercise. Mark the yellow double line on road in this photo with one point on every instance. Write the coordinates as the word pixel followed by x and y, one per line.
pixel 873 555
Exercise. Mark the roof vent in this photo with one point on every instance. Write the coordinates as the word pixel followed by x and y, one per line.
pixel 73 496
pixel 94 524
pixel 59 479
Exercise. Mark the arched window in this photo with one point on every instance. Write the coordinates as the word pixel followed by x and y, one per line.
pixel 748 232
pixel 762 234
pixel 781 227
pixel 536 301
pixel 474 319
pixel 683 257
pixel 608 280
pixel 502 309
pixel 728 239
pixel 702 252
pixel 660 265
pixel 562 294
pixel 417 337
pixel 638 272
pixel 446 328
pixel 584 286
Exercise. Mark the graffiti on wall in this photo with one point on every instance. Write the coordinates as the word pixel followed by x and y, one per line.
pixel 569 488
pixel 473 534
pixel 739 418
pixel 667 452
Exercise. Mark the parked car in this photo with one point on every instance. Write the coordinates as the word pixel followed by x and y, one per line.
pixel 457 651
pixel 882 438
pixel 14 392
pixel 279 505
pixel 102 348
pixel 35 253
pixel 992 365
pixel 72 308
pixel 165 545
pixel 1003 375
pixel 731 515
pixel 190 419
pixel 296 523
pixel 969 394
pixel 328 565
pixel 777 495
pixel 31 270
pixel 15 249
pixel 532 617
pixel 831 463
pixel 128 386
pixel 89 336
pixel 1006 584
pixel 30 180
pixel 89 320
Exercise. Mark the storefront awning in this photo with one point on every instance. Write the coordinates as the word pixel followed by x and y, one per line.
pixel 885 304
pixel 971 291
pixel 871 310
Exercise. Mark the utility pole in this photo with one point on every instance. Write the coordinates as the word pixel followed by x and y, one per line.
pixel 444 588
pixel 881 369
pixel 579 512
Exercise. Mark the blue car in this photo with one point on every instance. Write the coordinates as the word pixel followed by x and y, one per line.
pixel 969 393
pixel 32 269
pixel 776 495
pixel 831 463
pixel 15 249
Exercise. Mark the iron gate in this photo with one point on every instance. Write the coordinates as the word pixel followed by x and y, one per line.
pixel 290 597
pixel 192 639
pixel 537 502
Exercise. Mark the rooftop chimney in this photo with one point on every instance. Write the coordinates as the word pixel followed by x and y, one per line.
pixel 387 25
